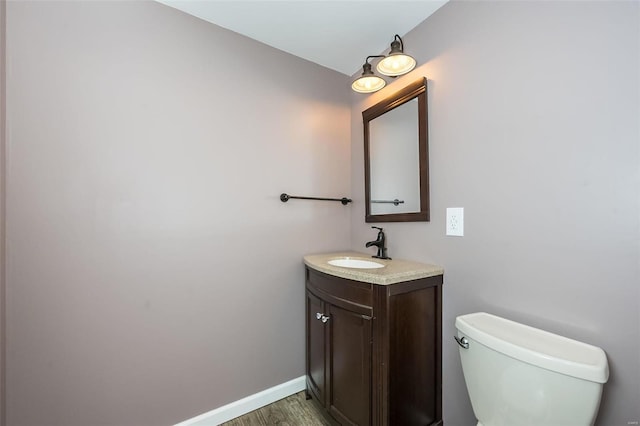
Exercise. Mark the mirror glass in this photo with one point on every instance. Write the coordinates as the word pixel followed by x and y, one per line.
pixel 396 157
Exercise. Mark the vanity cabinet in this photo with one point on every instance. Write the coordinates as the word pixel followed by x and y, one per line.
pixel 373 351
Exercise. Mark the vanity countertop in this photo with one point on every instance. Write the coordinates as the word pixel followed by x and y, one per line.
pixel 394 271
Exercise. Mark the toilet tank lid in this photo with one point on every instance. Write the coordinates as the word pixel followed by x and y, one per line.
pixel 534 346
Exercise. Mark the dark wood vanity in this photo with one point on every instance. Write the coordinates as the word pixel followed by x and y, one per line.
pixel 373 351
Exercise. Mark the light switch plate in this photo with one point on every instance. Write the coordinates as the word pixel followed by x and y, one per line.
pixel 455 221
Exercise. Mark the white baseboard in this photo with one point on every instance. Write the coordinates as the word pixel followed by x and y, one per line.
pixel 248 404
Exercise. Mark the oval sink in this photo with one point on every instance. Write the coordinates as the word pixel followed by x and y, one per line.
pixel 348 262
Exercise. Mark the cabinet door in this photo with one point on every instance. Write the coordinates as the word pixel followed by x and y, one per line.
pixel 316 347
pixel 349 366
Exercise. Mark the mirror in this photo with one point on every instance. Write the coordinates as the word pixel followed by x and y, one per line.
pixel 396 157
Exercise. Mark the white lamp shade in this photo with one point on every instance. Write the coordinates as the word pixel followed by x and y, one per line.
pixel 396 64
pixel 368 84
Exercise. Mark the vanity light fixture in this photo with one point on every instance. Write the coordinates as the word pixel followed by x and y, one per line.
pixel 394 64
pixel 368 82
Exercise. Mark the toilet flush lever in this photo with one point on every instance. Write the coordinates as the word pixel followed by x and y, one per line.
pixel 462 342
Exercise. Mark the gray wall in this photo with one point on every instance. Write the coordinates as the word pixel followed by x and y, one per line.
pixel 153 273
pixel 3 92
pixel 534 110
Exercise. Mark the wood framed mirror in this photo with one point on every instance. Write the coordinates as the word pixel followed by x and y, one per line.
pixel 396 157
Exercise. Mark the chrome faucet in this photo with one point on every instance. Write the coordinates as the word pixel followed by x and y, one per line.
pixel 380 243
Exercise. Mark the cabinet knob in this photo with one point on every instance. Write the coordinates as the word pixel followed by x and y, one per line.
pixel 322 317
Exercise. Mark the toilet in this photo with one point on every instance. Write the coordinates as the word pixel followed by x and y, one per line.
pixel 520 375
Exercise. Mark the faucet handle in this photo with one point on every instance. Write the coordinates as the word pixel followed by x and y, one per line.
pixel 376 227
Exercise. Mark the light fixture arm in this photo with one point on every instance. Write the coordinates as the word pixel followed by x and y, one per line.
pixel 366 67
pixel 373 56
pixel 398 38
pixel 397 45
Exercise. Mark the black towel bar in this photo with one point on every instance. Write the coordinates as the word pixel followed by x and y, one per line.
pixel 286 197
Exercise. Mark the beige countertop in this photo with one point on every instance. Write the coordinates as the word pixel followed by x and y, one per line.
pixel 394 271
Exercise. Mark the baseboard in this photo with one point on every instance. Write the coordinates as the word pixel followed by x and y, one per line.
pixel 248 404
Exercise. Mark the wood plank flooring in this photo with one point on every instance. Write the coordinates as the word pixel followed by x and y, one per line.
pixel 294 410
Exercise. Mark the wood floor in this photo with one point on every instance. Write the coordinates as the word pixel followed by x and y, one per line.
pixel 294 410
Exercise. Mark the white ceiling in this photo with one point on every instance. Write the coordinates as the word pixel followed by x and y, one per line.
pixel 337 34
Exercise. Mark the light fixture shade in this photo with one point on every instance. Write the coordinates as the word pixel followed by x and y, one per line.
pixel 395 65
pixel 397 62
pixel 368 82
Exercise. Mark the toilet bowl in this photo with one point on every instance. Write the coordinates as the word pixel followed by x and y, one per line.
pixel 520 375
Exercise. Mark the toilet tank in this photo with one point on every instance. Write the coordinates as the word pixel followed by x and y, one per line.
pixel 520 375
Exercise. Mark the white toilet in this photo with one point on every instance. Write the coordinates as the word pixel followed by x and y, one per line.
pixel 520 375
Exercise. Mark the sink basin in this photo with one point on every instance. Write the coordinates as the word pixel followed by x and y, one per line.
pixel 348 262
